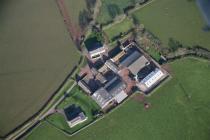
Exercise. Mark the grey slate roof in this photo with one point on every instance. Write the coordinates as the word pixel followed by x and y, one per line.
pixel 112 66
pixel 136 66
pixel 72 112
pixel 130 59
pixel 102 97
pixel 115 86
pixel 106 94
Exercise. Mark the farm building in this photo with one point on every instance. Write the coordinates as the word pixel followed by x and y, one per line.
pixel 74 115
pixel 116 87
pixel 84 86
pixel 145 71
pixel 96 50
pixel 152 78
pixel 149 77
pixel 139 64
pixel 127 44
pixel 129 58
pixel 94 47
pixel 102 97
pixel 135 61
pixel 112 66
pixel 112 91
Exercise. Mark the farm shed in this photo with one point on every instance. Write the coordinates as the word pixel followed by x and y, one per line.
pixel 116 87
pixel 152 78
pixel 102 97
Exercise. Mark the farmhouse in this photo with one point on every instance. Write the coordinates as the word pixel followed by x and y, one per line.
pixel 96 50
pixel 74 115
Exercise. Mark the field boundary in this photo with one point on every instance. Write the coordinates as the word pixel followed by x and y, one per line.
pixel 20 131
pixel 71 28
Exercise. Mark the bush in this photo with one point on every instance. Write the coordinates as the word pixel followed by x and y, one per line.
pixel 174 44
pixel 128 8
pixel 90 4
pixel 113 10
pixel 84 18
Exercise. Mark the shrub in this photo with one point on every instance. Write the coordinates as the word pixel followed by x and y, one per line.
pixel 174 44
pixel 113 10
pixel 84 18
pixel 90 4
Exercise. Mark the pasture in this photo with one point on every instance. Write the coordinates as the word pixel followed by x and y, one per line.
pixel 118 28
pixel 36 54
pixel 104 15
pixel 179 110
pixel 177 19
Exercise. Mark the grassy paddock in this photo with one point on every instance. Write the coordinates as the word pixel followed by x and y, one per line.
pixel 104 16
pixel 116 29
pixel 36 54
pixel 179 110
pixel 178 19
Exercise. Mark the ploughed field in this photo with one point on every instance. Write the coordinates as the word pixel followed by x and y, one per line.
pixel 36 54
pixel 179 110
pixel 177 19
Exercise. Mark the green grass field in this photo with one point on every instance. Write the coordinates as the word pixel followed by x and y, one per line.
pixel 36 54
pixel 104 16
pixel 179 110
pixel 179 19
pixel 116 29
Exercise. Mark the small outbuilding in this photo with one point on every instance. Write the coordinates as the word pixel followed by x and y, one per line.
pixel 114 90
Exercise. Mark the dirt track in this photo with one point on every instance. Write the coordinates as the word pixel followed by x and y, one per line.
pixel 74 32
